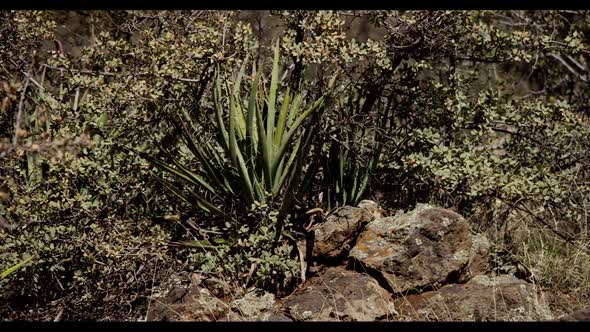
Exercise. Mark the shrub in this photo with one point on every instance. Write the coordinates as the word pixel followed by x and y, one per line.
pixel 78 206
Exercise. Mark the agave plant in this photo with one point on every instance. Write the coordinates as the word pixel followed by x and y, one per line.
pixel 258 155
pixel 355 150
pixel 4 274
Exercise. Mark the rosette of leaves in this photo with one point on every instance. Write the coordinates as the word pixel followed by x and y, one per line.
pixel 258 156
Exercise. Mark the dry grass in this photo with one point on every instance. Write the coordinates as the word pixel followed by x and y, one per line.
pixel 561 268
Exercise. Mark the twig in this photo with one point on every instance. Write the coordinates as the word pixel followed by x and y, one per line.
pixel 150 298
pixel 302 251
pixel 106 73
pixel 20 111
pixel 253 268
pixel 559 58
pixel 414 43
pixel 568 239
pixel 32 80
pixel 575 62
pixel 545 89
pixel 223 37
pixel 59 314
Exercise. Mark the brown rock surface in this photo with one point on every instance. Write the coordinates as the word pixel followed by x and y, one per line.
pixel 503 298
pixel 427 246
pixel 257 305
pixel 582 315
pixel 338 231
pixel 192 303
pixel 373 208
pixel 197 303
pixel 340 295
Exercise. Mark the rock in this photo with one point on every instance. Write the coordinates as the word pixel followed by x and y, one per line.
pixel 340 295
pixel 478 258
pixel 268 316
pixel 582 315
pixel 231 316
pixel 338 231
pixel 217 286
pixel 565 304
pixel 200 299
pixel 503 298
pixel 278 317
pixel 427 246
pixel 192 303
pixel 255 305
pixel 373 208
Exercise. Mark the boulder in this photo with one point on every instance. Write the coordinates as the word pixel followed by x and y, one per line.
pixel 428 246
pixel 192 303
pixel 340 295
pixel 502 298
pixel 256 305
pixel 334 236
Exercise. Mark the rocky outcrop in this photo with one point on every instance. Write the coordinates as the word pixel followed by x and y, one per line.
pixel 333 237
pixel 425 264
pixel 503 298
pixel 340 295
pixel 428 246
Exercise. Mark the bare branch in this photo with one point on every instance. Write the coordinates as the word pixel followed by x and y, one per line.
pixel 20 112
pixel 105 73
pixel 559 58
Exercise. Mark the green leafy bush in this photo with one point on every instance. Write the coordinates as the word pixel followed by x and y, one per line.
pixel 77 205
pixel 253 259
